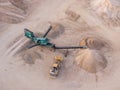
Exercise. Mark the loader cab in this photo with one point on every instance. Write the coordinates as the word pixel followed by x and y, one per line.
pixel 54 70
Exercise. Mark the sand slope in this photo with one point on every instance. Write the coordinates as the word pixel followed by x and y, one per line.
pixel 28 69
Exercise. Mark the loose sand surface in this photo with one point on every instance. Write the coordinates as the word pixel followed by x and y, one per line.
pixel 73 21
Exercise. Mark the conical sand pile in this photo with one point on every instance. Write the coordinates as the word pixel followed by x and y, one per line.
pixel 91 60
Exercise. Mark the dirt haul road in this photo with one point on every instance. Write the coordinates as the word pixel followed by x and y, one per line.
pixel 73 21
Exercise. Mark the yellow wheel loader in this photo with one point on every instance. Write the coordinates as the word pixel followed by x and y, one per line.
pixel 54 71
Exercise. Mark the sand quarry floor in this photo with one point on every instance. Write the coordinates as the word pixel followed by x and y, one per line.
pixel 28 69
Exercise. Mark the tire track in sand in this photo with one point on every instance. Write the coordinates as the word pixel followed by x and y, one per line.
pixel 15 47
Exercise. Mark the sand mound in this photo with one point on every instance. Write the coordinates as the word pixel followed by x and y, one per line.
pixel 94 43
pixel 91 60
pixel 108 9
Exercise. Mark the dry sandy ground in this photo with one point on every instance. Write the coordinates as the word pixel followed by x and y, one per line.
pixel 28 69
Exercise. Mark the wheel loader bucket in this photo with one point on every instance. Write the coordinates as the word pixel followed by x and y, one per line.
pixel 58 58
pixel 55 65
